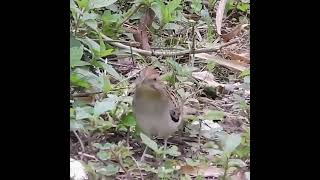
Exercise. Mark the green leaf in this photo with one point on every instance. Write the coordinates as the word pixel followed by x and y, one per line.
pixel 110 70
pixel 83 112
pixel 211 65
pixel 88 76
pixel 75 57
pixel 231 142
pixel 236 163
pixel 192 162
pixel 106 52
pixel 92 23
pixel 129 120
pixel 214 115
pixel 196 5
pixel 149 142
pixel 176 66
pixel 106 146
pixel 107 104
pixel 94 4
pixel 245 73
pixel 74 42
pixel 173 151
pixel 108 170
pixel 78 80
pixel 106 85
pixel 83 4
pixel 104 155
pixel 91 43
pixel 243 7
pixel 75 125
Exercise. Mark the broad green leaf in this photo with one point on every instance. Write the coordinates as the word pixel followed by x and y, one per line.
pixel 173 5
pixel 75 125
pixel 243 7
pixel 74 42
pixel 83 112
pixel 173 151
pixel 236 163
pixel 176 66
pixel 104 106
pixel 92 23
pixel 110 70
pixel 106 52
pixel 94 4
pixel 88 76
pixel 192 162
pixel 129 120
pixel 104 155
pixel 75 57
pixel 211 65
pixel 106 85
pixel 91 43
pixel 196 5
pixel 149 142
pixel 214 115
pixel 108 170
pixel 231 142
pixel 83 4
pixel 89 16
pixel 106 146
pixel 245 73
pixel 78 80
pixel 102 45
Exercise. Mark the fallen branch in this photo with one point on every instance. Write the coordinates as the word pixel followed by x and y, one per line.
pixel 223 62
pixel 81 144
pixel 164 53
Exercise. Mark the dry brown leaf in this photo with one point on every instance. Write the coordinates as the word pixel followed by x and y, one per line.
pixel 233 33
pixel 242 57
pixel 141 35
pixel 223 62
pixel 204 170
pixel 219 15
pixel 207 77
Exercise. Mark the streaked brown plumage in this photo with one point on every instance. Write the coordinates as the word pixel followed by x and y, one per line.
pixel 157 109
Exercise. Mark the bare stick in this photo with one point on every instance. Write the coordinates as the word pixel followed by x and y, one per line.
pixel 81 143
pixel 86 94
pixel 163 52
pixel 135 161
pixel 87 155
pixel 119 159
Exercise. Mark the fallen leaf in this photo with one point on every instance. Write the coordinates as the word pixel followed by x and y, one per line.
pixel 234 32
pixel 223 62
pixel 242 57
pixel 207 77
pixel 219 15
pixel 204 170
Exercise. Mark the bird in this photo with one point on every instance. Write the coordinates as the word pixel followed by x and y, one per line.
pixel 157 108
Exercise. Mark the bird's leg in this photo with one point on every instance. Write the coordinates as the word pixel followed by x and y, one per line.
pixel 143 154
pixel 165 147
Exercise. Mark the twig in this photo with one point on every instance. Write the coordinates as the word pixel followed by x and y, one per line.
pixel 86 94
pixel 87 155
pixel 81 143
pixel 135 161
pixel 119 159
pixel 162 52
